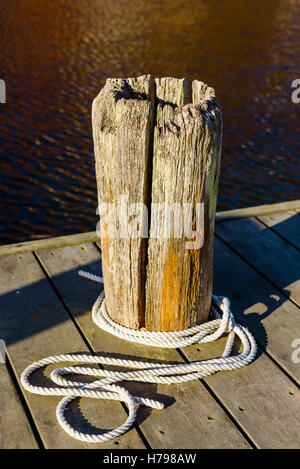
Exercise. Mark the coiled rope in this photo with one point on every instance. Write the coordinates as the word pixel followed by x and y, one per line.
pixel 106 387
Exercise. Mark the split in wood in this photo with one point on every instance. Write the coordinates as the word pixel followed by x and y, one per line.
pixel 168 153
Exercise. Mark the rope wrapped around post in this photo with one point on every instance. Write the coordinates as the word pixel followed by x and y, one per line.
pixel 107 387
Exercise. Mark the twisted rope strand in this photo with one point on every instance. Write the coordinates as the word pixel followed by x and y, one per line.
pixel 146 372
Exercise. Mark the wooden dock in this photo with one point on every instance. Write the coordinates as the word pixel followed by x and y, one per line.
pixel 45 310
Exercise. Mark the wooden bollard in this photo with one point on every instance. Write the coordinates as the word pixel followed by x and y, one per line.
pixel 163 163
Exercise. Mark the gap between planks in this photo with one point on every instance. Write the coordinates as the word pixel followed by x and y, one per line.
pixel 47 328
pixel 92 236
pixel 268 253
pixel 17 430
pixel 164 421
pixel 83 336
pixel 267 367
pixel 239 256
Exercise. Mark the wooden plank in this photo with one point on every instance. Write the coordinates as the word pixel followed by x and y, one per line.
pixel 287 224
pixel 34 325
pixel 186 422
pixel 262 399
pixel 276 259
pixel 92 236
pixel 48 243
pixel 122 124
pixel 15 430
pixel 257 211
pixel 186 162
pixel 256 303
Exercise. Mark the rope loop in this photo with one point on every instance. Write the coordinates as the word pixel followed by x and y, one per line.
pixel 147 372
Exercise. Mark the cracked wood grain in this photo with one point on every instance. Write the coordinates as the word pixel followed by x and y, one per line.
pixel 122 119
pixel 186 161
pixel 161 282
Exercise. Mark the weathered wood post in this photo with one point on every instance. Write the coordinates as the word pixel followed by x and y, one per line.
pixel 122 124
pixel 166 159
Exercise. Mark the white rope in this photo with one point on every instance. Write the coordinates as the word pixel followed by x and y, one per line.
pixel 146 372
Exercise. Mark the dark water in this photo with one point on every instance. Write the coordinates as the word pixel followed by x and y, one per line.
pixel 55 57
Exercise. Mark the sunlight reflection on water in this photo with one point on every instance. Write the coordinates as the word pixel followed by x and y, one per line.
pixel 55 57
